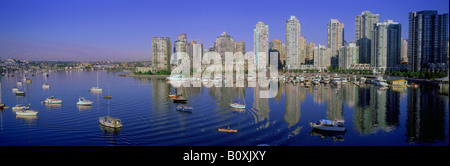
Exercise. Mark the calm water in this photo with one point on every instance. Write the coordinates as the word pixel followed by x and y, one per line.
pixel 372 116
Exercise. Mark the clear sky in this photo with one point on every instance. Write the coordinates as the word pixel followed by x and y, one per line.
pixel 121 30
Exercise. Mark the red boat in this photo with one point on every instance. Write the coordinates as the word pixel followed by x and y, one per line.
pixel 228 130
pixel 415 85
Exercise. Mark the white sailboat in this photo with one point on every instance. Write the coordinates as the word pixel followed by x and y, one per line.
pixel 237 105
pixel 96 89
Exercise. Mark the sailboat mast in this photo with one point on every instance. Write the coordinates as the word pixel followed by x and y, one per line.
pixel 97 78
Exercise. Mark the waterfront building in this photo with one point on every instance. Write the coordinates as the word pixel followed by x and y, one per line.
pixel 240 47
pixel 322 57
pixel 224 43
pixel 309 53
pixel 404 52
pixel 302 50
pixel 277 45
pixel 386 46
pixel 348 55
pixel 180 45
pixel 161 52
pixel 335 39
pixel 363 27
pixel 261 41
pixel 293 30
pixel 428 41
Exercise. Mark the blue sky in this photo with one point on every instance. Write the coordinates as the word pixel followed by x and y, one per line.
pixel 86 30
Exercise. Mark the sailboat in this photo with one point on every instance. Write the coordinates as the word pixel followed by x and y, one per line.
pixel 109 121
pixel 25 111
pixel 96 89
pixel 107 97
pixel 238 105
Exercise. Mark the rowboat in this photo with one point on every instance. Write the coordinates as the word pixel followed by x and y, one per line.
pixel 328 125
pixel 109 121
pixel 82 101
pixel 228 130
pixel 184 108
pixel 237 105
pixel 52 100
pixel 26 112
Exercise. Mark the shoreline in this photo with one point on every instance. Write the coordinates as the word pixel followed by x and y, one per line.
pixel 417 80
pixel 143 76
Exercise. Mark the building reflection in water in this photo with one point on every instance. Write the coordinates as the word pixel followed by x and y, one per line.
pixel 374 109
pixel 426 114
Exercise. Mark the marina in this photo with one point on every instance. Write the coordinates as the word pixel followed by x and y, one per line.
pixel 373 115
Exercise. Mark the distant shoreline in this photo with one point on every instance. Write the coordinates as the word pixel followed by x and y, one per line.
pixel 143 76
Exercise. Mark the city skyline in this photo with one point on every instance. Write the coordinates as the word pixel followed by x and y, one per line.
pixel 115 30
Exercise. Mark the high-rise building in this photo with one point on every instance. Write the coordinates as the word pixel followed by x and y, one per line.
pixel 224 43
pixel 386 46
pixel 261 41
pixel 161 52
pixel 404 52
pixel 277 45
pixel 348 55
pixel 180 45
pixel 240 47
pixel 310 52
pixel 293 43
pixel 302 50
pixel 363 28
pixel 427 41
pixel 322 57
pixel 335 39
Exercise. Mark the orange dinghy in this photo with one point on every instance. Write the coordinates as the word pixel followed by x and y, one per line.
pixel 228 130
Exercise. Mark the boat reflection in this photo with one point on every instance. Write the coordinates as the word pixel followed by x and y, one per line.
pixel 84 107
pixel 326 135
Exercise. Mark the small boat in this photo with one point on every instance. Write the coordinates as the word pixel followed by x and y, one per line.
pixel 46 86
pixel 316 81
pixel 19 83
pixel 82 101
pixel 26 112
pixel 95 89
pixel 179 100
pixel 328 125
pixel 184 108
pixel 110 122
pixel 237 105
pixel 2 106
pixel 20 92
pixel 336 80
pixel 19 107
pixel 228 130
pixel 14 90
pixel 52 100
pixel 414 85
pixel 173 96
pixel 379 81
pixel 107 97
